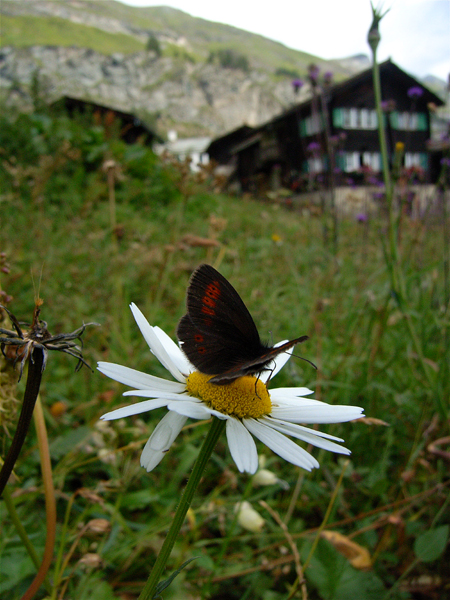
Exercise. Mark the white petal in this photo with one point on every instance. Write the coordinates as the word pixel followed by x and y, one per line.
pixel 161 439
pixel 295 402
pixel 281 445
pixel 290 392
pixel 155 394
pixel 138 379
pixel 277 364
pixel 174 351
pixel 307 435
pixel 324 413
pixel 321 434
pixel 155 345
pixel 242 446
pixel 134 409
pixel 192 409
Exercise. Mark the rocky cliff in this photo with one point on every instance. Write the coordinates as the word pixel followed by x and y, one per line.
pixel 194 99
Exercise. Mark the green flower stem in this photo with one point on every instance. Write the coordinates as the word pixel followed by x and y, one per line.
pixel 59 558
pixel 381 132
pixel 392 255
pixel 393 251
pixel 209 444
pixel 21 532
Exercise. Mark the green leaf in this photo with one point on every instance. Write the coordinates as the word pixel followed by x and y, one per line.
pixel 162 585
pixel 94 588
pixel 140 499
pixel 335 579
pixel 430 545
pixel 63 444
pixel 14 567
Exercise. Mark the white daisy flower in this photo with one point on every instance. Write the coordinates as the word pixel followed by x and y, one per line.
pixel 250 409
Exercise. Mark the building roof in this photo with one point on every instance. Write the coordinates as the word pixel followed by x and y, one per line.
pixel 387 69
pixel 77 104
pixel 238 137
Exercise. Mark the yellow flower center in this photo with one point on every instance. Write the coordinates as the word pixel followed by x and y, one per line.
pixel 243 398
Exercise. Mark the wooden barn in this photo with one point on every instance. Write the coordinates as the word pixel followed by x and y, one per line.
pixel 333 136
pixel 127 126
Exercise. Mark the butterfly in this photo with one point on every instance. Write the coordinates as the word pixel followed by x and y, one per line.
pixel 218 334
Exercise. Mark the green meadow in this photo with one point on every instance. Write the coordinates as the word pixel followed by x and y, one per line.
pixel 87 258
pixel 55 31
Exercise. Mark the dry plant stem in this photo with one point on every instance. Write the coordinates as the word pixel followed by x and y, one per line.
pixel 327 514
pixel 416 561
pixel 67 560
pixel 112 199
pixel 50 502
pixel 229 535
pixel 290 541
pixel 294 498
pixel 35 365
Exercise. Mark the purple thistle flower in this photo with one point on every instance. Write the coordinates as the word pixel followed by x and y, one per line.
pixel 313 72
pixel 388 105
pixel 327 77
pixel 313 147
pixel 361 217
pixel 297 84
pixel 415 92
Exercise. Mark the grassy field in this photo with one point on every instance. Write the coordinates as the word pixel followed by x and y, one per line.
pixel 390 499
pixel 28 30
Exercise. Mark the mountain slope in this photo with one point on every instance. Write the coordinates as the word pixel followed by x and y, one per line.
pixel 95 49
pixel 170 26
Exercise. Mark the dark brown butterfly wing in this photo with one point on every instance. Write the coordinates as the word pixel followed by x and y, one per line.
pixel 218 334
pixel 257 365
pixel 215 306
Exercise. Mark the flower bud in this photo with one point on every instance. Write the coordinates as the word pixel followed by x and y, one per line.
pixel 248 518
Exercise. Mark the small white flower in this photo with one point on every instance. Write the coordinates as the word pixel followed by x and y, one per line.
pixel 246 404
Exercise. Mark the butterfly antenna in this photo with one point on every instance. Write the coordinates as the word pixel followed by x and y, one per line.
pixel 305 359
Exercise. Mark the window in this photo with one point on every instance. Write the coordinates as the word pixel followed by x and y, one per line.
pixel 416 159
pixel 355 118
pixel 372 160
pixel 351 161
pixel 315 165
pixel 310 125
pixel 406 121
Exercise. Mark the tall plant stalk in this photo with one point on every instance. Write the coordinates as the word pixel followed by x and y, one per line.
pixel 391 252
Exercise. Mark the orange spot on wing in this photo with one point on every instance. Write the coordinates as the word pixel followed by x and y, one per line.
pixel 213 290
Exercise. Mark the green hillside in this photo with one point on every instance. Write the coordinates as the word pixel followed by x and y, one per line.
pixel 29 30
pixel 23 25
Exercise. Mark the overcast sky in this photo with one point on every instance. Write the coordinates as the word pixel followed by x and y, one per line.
pixel 415 33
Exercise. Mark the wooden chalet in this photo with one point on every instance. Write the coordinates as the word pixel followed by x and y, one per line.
pixel 333 136
pixel 129 127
